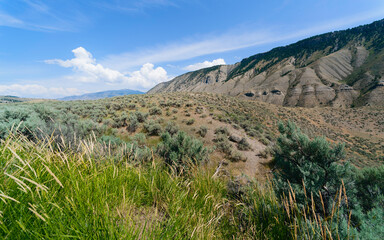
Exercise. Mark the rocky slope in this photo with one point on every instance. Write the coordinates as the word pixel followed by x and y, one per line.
pixel 341 69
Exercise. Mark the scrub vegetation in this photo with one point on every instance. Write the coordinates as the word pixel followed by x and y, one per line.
pixel 138 167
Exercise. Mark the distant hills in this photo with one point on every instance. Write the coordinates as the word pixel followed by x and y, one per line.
pixel 100 95
pixel 339 69
pixel 13 99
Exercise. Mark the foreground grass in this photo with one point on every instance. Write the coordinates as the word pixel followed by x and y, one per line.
pixel 90 192
pixel 47 193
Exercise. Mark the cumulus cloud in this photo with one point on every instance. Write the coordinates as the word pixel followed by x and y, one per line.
pixel 205 64
pixel 147 76
pixel 85 64
pixel 35 90
pixel 87 70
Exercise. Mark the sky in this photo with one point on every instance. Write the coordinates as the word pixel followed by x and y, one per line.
pixel 57 48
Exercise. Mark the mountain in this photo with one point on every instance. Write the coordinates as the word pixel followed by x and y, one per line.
pixel 100 95
pixel 340 69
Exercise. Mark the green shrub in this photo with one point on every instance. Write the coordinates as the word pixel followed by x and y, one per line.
pixel 155 111
pixel 152 128
pixel 111 140
pixel 313 163
pixel 181 150
pixel 141 117
pixel 140 139
pixel 190 121
pixel 133 124
pixel 132 106
pixel 171 128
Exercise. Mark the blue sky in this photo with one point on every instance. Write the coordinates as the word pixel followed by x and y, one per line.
pixel 56 48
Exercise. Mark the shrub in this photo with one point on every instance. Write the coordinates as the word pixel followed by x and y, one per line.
pixel 120 121
pixel 236 156
pixel 141 117
pixel 171 128
pixel 152 128
pixel 202 131
pixel 111 140
pixel 223 144
pixel 370 188
pixel 199 110
pixel 313 163
pixel 155 111
pixel 243 145
pixel 132 106
pixel 133 124
pixel 181 150
pixel 222 130
pixel 190 121
pixel 140 139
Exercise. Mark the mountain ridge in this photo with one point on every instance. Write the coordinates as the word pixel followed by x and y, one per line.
pixel 100 95
pixel 342 69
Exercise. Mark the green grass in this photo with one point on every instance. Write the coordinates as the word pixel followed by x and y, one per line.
pixel 51 194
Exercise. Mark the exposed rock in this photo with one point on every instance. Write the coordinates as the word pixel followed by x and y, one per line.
pixel 234 138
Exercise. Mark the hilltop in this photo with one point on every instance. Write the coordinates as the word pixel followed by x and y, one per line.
pixel 339 69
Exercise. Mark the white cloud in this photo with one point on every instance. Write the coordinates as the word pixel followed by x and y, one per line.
pixel 147 76
pixel 39 91
pixel 187 49
pixel 88 71
pixel 205 64
pixel 85 64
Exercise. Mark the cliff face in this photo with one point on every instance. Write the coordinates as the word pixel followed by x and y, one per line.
pixel 338 69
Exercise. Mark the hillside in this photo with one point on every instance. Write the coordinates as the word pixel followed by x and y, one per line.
pixel 100 95
pixel 188 165
pixel 339 69
pixel 203 115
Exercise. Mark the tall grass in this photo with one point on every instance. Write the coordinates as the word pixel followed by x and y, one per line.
pixel 48 193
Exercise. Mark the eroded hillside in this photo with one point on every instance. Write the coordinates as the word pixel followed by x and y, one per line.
pixel 340 69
